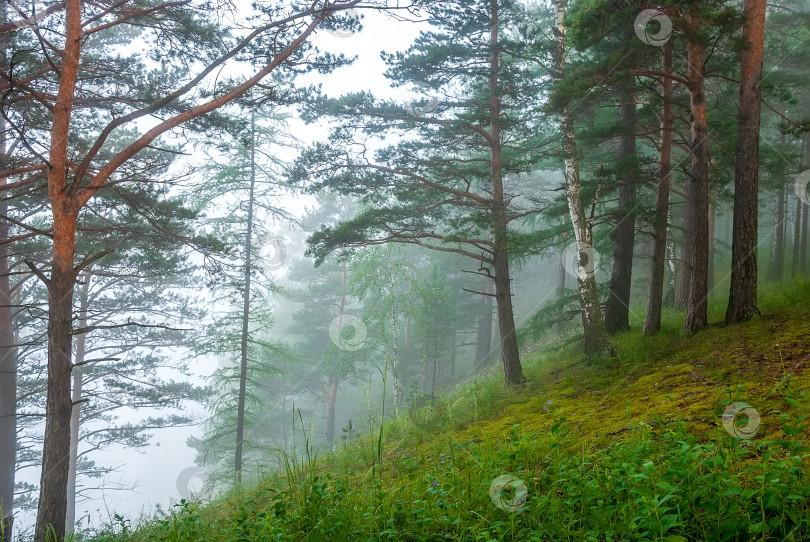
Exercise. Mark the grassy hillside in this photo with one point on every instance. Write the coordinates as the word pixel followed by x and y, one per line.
pixel 626 448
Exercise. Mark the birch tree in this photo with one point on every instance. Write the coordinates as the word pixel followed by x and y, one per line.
pixel 593 323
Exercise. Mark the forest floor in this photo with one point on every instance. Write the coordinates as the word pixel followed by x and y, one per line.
pixel 632 447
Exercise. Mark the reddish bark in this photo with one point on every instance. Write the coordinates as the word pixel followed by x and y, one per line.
pixel 742 303
pixel 56 448
pixel 513 371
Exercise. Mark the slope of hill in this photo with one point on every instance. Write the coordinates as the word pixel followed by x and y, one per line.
pixel 675 439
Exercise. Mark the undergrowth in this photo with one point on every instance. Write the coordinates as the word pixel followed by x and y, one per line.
pixel 675 439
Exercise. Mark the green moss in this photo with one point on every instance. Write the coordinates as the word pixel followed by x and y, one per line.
pixel 599 445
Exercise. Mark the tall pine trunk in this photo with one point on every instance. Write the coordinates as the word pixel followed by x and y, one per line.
pixel 8 358
pixel 513 371
pixel 617 309
pixel 797 234
pixel 696 309
pixel 802 253
pixel 655 292
pixel 334 378
pixel 803 241
pixel 742 302
pixel 243 364
pixel 331 399
pixel 8 389
pixel 52 509
pixel 593 324
pixel 76 397
pixel 453 341
pixel 483 335
pixel 710 248
pixel 776 267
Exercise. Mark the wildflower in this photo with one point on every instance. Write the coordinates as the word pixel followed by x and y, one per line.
pixel 549 402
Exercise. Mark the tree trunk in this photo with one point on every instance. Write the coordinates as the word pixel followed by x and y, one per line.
pixel 393 361
pixel 52 509
pixel 243 365
pixel 334 379
pixel 742 303
pixel 685 276
pixel 802 253
pixel 696 310
pixel 803 242
pixel 593 324
pixel 8 383
pixel 435 368
pixel 562 276
pixel 483 336
pixel 776 267
pixel 513 371
pixel 617 309
pixel 453 352
pixel 655 292
pixel 797 234
pixel 8 388
pixel 8 353
pixel 710 248
pixel 76 396
pixel 331 399
pixel 670 286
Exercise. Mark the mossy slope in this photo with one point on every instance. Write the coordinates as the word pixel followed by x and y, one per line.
pixel 624 448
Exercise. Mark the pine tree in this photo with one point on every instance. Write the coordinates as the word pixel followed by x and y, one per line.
pixel 446 186
pixel 742 303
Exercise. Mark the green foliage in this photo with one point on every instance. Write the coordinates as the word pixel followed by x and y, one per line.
pixel 650 466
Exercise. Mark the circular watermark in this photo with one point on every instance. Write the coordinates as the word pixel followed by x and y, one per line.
pixel 193 484
pixel 426 104
pixel 351 30
pixel 509 493
pixel 587 258
pixel 273 254
pixel 348 332
pixel 801 185
pixel 733 415
pixel 642 26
